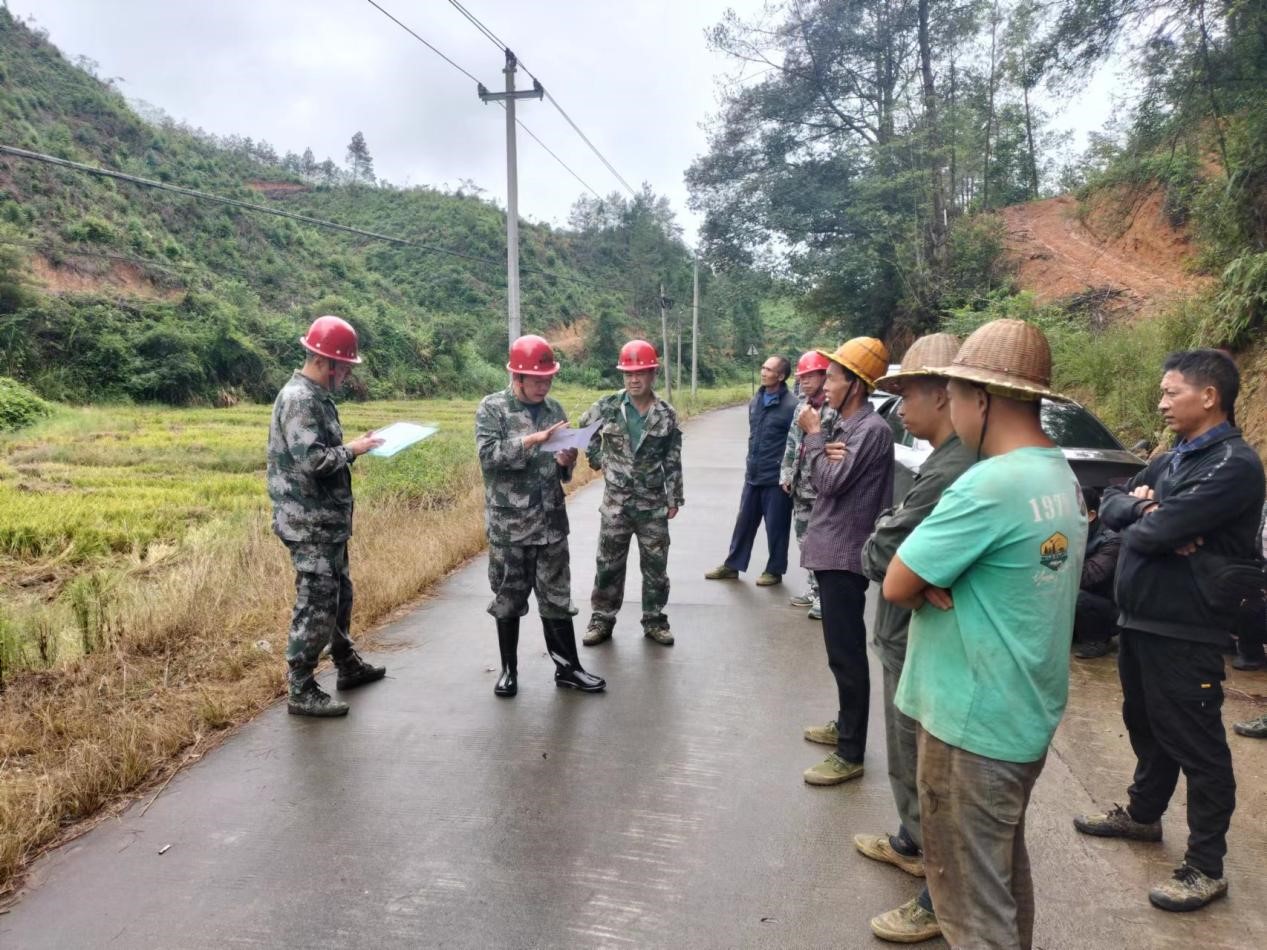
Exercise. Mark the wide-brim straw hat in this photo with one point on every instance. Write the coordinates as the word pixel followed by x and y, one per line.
pixel 1010 358
pixel 864 356
pixel 929 352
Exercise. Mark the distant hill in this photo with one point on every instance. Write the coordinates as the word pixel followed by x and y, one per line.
pixel 108 289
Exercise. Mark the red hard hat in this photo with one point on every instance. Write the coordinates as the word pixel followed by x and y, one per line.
pixel 331 337
pixel 637 355
pixel 532 355
pixel 812 361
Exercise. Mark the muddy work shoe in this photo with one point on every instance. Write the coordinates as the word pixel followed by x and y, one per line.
pixel 769 580
pixel 312 700
pixel 1118 823
pixel 661 635
pixel 1187 889
pixel 722 573
pixel 823 735
pixel 880 848
pixel 1254 729
pixel 833 770
pixel 910 923
pixel 596 633
pixel 354 672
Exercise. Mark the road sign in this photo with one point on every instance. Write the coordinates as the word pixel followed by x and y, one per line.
pixel 752 350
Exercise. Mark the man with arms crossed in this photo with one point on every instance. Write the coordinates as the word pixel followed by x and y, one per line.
pixel 1185 515
pixel 992 575
pixel 925 411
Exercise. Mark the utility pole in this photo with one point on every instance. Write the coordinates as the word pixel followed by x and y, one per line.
pixel 694 325
pixel 679 351
pixel 507 99
pixel 665 304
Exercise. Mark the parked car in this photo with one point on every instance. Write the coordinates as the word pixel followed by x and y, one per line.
pixel 1095 455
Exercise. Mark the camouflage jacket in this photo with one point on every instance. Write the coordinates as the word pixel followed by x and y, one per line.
pixel 309 467
pixel 523 488
pixel 795 468
pixel 646 477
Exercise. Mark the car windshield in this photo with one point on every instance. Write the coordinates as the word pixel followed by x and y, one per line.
pixel 1072 427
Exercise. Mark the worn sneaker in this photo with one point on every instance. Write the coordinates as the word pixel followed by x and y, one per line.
pixel 880 848
pixel 815 610
pixel 833 770
pixel 910 923
pixel 312 700
pixel 769 580
pixel 596 634
pixel 661 635
pixel 722 573
pixel 824 735
pixel 1118 823
pixel 354 672
pixel 1187 889
pixel 801 600
pixel 1254 729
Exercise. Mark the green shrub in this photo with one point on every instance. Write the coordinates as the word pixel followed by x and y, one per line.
pixel 19 407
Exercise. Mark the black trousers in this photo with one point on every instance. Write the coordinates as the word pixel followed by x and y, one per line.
pixel 1094 619
pixel 843 595
pixel 1172 703
pixel 1251 626
pixel 773 505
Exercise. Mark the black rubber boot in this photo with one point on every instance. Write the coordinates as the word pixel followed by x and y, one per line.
pixel 568 674
pixel 508 644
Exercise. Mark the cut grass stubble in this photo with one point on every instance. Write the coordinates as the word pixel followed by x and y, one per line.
pixel 186 650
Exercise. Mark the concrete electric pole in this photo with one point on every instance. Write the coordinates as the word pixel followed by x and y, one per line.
pixel 665 304
pixel 694 326
pixel 507 99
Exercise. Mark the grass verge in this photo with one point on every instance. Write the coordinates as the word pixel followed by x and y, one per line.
pixel 160 632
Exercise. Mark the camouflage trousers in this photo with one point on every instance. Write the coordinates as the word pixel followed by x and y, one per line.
pixel 515 571
pixel 323 608
pixel 801 507
pixel 614 535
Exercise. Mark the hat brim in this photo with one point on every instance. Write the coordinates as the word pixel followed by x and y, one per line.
pixel 886 383
pixel 853 369
pixel 1001 384
pixel 354 360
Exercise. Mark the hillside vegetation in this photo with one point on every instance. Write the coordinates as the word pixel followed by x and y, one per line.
pixel 110 290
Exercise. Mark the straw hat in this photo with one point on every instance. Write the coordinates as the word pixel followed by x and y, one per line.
pixel 864 356
pixel 931 351
pixel 1010 358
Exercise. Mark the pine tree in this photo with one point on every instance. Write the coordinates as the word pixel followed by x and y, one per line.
pixel 359 160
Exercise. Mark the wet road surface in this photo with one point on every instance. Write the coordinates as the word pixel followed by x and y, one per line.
pixel 668 812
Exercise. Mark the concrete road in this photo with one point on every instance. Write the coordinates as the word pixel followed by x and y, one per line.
pixel 669 812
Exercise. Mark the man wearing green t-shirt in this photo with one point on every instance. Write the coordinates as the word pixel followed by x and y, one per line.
pixel 992 575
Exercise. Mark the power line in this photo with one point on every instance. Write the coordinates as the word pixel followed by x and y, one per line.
pixel 493 38
pixel 471 76
pixel 26 155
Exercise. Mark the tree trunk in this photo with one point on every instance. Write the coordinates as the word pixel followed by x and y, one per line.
pixel 937 224
pixel 989 115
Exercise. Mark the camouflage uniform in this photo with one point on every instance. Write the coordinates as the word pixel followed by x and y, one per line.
pixel 310 484
pixel 642 482
pixel 524 512
pixel 795 472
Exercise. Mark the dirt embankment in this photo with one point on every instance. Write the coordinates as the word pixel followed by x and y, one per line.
pixel 1123 252
pixel 101 275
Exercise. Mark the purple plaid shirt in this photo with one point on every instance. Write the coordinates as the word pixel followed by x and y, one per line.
pixel 851 492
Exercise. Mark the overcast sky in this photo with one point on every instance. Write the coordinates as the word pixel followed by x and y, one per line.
pixel 635 75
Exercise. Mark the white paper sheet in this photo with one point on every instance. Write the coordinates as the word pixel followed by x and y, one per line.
pixel 566 438
pixel 400 435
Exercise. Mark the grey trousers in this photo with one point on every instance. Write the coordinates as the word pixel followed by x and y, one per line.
pixel 899 736
pixel 977 866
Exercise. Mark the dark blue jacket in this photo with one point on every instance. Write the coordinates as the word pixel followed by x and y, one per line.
pixel 1215 493
pixel 767 436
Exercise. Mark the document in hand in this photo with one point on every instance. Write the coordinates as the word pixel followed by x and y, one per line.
pixel 566 438
pixel 400 435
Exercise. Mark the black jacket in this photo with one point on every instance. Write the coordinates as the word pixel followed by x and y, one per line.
pixel 1100 563
pixel 1215 493
pixel 767 436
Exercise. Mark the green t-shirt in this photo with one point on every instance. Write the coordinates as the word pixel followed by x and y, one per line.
pixel 991 675
pixel 635 421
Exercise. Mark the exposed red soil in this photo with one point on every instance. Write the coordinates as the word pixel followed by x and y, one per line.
pixel 118 277
pixel 276 189
pixel 1126 250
